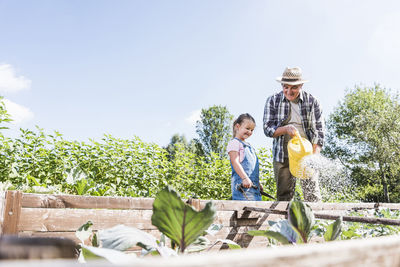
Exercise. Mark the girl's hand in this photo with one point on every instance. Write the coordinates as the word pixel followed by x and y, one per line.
pixel 261 188
pixel 247 183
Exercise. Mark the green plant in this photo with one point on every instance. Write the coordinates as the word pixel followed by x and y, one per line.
pixel 298 228
pixel 354 230
pixel 43 163
pixel 178 221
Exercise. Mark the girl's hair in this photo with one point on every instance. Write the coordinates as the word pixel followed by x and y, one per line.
pixel 240 119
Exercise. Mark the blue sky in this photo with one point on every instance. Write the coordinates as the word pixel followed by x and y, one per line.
pixel 146 68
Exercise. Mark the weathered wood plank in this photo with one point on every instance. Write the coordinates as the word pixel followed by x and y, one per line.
pixel 372 252
pixel 72 201
pixel 240 235
pixel 12 212
pixel 85 202
pixel 383 221
pixel 239 205
pixel 39 219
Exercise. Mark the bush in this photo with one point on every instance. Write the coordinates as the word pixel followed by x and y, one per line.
pixel 37 162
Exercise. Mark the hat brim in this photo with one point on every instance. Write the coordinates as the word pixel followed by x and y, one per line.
pixel 279 80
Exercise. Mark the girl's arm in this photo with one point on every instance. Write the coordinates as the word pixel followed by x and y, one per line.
pixel 234 157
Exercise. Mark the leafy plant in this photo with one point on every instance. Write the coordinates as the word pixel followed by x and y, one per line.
pixel 354 230
pixel 298 228
pixel 179 221
pixel 301 218
pixel 333 230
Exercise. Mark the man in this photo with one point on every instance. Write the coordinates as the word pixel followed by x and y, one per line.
pixel 286 112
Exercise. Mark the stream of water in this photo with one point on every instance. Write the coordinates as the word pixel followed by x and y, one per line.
pixel 334 180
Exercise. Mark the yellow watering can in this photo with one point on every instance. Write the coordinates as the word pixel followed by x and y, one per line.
pixel 298 148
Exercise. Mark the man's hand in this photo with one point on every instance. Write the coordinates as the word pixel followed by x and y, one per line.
pixel 291 130
pixel 316 149
pixel 247 183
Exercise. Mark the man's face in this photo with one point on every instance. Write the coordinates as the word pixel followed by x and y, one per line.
pixel 291 92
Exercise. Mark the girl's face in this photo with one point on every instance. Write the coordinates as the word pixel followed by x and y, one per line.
pixel 245 129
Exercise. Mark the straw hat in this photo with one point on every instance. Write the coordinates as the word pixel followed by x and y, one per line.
pixel 291 76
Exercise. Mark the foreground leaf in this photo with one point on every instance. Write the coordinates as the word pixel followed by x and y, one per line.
pixel 200 244
pixel 121 238
pixel 113 256
pixel 231 244
pixel 333 230
pixel 281 231
pixel 84 231
pixel 213 229
pixel 301 218
pixel 178 220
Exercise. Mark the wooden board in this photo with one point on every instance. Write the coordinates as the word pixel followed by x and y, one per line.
pixel 85 202
pixel 42 220
pixel 372 252
pixel 11 212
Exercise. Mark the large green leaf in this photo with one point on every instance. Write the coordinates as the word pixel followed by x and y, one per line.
pixel 281 231
pixel 301 219
pixel 271 234
pixel 333 230
pixel 178 220
pixel 121 237
pixel 113 256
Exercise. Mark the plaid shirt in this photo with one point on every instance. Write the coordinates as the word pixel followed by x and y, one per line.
pixel 277 110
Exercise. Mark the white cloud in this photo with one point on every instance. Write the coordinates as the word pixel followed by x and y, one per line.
pixel 18 113
pixel 194 117
pixel 10 82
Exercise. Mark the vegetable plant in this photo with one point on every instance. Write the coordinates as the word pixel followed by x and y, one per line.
pixel 299 226
pixel 175 219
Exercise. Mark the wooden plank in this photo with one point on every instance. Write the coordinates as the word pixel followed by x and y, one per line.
pixel 371 252
pixel 384 251
pixel 2 207
pixel 351 206
pixel 85 202
pixel 72 201
pixel 12 212
pixel 240 233
pixel 37 219
pixel 239 205
pixel 241 237
pixel 383 221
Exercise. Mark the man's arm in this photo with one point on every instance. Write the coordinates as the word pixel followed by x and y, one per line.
pixel 270 118
pixel 319 125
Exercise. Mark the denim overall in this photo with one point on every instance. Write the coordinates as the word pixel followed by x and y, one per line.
pixel 251 168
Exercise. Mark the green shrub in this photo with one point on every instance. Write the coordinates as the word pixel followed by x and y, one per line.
pixel 38 162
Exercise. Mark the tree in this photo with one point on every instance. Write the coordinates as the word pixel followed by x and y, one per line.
pixel 214 129
pixel 176 140
pixel 364 133
pixel 4 115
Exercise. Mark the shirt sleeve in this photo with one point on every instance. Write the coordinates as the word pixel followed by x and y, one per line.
pixel 270 118
pixel 319 124
pixel 235 145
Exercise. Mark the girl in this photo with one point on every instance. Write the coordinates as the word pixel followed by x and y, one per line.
pixel 245 182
